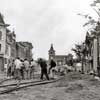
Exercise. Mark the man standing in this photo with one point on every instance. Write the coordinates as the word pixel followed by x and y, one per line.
pixel 22 69
pixel 32 68
pixel 27 69
pixel 52 65
pixel 18 65
pixel 43 66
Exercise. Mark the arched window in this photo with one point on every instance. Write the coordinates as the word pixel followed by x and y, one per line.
pixel 0 35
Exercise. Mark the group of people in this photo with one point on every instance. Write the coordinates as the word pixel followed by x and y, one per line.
pixel 21 69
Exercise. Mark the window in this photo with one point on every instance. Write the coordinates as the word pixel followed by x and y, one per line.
pixel 6 49
pixel 0 35
pixel 0 47
pixel 5 60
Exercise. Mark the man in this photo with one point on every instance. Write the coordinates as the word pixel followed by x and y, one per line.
pixel 52 65
pixel 18 65
pixel 27 69
pixel 43 66
pixel 32 68
pixel 22 69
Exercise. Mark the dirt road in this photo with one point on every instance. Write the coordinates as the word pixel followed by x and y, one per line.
pixel 74 86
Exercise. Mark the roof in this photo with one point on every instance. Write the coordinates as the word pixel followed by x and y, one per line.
pixel 2 23
pixel 51 48
pixel 60 55
pixel 7 30
pixel 26 44
pixel 1 19
pixel 20 44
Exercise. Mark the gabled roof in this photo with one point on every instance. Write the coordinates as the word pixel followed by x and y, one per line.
pixel 1 19
pixel 2 23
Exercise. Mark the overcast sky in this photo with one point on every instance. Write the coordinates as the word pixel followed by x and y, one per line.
pixel 43 22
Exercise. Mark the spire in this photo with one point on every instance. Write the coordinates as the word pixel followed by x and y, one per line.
pixel 51 48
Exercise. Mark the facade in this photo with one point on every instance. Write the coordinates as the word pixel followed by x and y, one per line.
pixel 3 33
pixel 59 59
pixel 10 48
pixel 28 47
pixel 20 50
pixel 7 44
pixel 24 50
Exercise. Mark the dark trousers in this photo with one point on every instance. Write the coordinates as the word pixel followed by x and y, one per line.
pixel 50 69
pixel 22 73
pixel 18 74
pixel 32 73
pixel 44 72
pixel 9 71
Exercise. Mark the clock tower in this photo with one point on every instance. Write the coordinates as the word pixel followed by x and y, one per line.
pixel 51 52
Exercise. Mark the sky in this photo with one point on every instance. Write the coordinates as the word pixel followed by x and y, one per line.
pixel 43 22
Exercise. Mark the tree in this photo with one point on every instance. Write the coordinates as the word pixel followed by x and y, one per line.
pixel 81 53
pixel 77 51
pixel 96 6
pixel 91 21
pixel 95 27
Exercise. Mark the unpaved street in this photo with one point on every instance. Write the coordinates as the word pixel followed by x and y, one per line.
pixel 74 86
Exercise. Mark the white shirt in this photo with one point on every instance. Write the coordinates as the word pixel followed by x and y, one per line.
pixel 18 63
pixel 33 63
pixel 26 64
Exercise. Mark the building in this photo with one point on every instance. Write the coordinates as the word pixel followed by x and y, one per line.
pixel 59 59
pixel 96 48
pixel 9 48
pixel 13 45
pixel 20 50
pixel 7 44
pixel 24 50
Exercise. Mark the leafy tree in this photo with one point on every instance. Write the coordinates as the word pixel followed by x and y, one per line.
pixel 96 6
pixel 94 31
